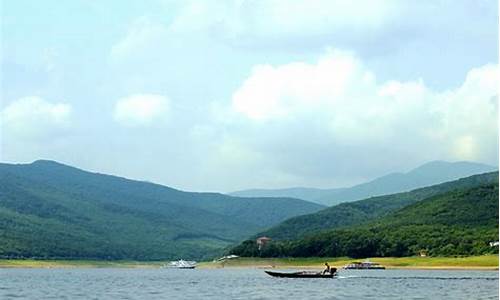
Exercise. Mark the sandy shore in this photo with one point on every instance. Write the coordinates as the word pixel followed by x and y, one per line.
pixel 31 263
pixel 485 262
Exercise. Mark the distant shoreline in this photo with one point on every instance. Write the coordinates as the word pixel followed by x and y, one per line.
pixel 60 263
pixel 485 262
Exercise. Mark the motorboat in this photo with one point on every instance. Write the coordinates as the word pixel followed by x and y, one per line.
pixel 366 265
pixel 227 257
pixel 181 264
pixel 301 274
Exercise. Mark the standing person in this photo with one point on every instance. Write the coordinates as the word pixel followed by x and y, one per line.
pixel 327 269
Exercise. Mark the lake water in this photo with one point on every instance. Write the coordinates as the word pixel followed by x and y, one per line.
pixel 236 283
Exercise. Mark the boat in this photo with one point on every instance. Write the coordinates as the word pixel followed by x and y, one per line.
pixel 181 264
pixel 366 265
pixel 227 257
pixel 302 274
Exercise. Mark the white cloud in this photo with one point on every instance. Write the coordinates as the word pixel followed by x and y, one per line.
pixel 141 110
pixel 297 87
pixel 470 115
pixel 333 113
pixel 337 91
pixel 247 22
pixel 34 117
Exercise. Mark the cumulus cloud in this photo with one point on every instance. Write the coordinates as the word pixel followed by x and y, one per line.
pixel 281 91
pixel 319 119
pixel 141 110
pixel 35 117
pixel 338 92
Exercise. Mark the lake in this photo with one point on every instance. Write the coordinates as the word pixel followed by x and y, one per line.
pixel 243 283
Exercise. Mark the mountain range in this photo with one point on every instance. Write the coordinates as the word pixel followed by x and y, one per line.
pixel 454 218
pixel 366 210
pixel 428 174
pixel 51 210
pixel 48 209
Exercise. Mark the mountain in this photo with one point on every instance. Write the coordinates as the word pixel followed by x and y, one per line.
pixel 462 221
pixel 48 209
pixel 428 174
pixel 362 211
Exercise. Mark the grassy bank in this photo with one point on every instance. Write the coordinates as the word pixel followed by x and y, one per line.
pixel 471 262
pixel 32 263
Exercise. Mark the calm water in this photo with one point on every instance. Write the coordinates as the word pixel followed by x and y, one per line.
pixel 242 284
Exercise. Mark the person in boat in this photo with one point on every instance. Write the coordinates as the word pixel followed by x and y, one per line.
pixel 327 269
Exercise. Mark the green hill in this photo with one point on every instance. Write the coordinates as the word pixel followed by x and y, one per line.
pixel 52 210
pixel 458 222
pixel 362 211
pixel 431 173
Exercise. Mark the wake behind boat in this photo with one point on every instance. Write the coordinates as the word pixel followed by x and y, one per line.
pixel 301 274
pixel 181 264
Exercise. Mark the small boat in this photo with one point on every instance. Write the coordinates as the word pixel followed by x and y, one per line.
pixel 366 265
pixel 302 274
pixel 181 264
pixel 227 257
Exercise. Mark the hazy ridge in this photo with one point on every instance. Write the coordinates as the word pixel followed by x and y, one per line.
pixel 428 174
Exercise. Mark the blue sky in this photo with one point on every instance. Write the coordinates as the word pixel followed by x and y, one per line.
pixel 226 95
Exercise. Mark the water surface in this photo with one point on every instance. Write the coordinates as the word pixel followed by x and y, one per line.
pixel 241 283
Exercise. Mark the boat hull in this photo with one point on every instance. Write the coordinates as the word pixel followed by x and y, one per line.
pixel 299 275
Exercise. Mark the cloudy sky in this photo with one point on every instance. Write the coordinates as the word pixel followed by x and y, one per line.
pixel 227 95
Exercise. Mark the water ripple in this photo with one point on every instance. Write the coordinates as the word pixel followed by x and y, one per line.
pixel 107 284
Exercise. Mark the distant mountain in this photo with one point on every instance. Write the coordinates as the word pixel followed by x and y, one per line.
pixel 48 209
pixel 428 174
pixel 312 194
pixel 457 222
pixel 362 211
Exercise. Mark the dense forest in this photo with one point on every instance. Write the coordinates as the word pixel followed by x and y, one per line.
pixel 50 210
pixel 362 211
pixel 458 222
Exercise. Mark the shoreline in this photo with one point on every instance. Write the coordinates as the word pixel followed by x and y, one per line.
pixel 485 263
pixel 319 268
pixel 62 264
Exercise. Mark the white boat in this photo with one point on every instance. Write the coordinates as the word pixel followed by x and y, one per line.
pixel 181 264
pixel 227 257
pixel 366 265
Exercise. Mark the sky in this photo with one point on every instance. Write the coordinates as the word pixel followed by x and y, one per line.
pixel 222 95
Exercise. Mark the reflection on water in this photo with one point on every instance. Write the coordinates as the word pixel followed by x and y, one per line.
pixel 243 284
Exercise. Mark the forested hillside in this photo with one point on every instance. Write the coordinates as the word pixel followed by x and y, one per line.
pixel 358 212
pixel 52 210
pixel 459 222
